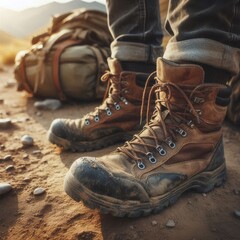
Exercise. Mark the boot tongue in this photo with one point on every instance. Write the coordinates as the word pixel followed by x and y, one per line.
pixel 180 74
pixel 114 66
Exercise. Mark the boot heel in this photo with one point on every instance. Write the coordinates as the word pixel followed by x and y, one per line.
pixel 207 181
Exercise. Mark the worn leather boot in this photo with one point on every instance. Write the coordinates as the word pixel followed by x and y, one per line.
pixel 117 119
pixel 181 148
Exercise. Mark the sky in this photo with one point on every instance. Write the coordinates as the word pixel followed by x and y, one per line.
pixel 19 5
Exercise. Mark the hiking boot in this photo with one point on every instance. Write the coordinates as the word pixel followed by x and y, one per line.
pixel 181 148
pixel 117 119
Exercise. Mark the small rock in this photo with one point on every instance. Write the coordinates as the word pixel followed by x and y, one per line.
pixel 7 158
pixel 4 188
pixel 22 120
pixel 27 179
pixel 237 214
pixel 5 123
pixel 1 101
pixel 48 104
pixel 132 227
pixel 27 140
pixel 39 114
pixel 39 191
pixel 10 83
pixel 36 152
pixel 190 202
pixel 170 224
pixel 87 235
pixel 154 223
pixel 2 147
pixel 204 194
pixel 9 168
pixel 25 156
pixel 236 192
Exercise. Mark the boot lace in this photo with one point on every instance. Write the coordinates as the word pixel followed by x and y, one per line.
pixel 162 129
pixel 116 87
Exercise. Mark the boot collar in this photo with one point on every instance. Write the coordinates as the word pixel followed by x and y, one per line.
pixel 180 74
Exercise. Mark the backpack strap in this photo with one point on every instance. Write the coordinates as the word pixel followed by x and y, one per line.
pixel 23 77
pixel 56 65
pixel 42 54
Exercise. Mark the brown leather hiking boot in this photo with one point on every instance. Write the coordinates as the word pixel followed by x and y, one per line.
pixel 181 148
pixel 117 119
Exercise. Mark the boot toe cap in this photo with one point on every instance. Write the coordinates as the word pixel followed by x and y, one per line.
pixel 59 129
pixel 95 177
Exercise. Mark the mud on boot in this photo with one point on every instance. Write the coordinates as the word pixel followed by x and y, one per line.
pixel 179 149
pixel 115 120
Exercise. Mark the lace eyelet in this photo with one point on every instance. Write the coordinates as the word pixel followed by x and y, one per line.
pixel 124 100
pixel 199 112
pixel 171 144
pixel 141 166
pixel 182 132
pixel 161 150
pixel 117 106
pixel 190 124
pixel 96 118
pixel 109 113
pixel 87 122
pixel 151 158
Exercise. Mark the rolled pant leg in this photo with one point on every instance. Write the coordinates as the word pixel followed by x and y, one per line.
pixel 136 28
pixel 206 31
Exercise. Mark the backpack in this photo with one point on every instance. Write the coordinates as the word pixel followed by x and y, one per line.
pixel 66 62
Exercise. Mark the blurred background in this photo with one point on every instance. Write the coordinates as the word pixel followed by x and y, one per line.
pixel 20 20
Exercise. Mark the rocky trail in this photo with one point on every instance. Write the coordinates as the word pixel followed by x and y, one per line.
pixel 34 205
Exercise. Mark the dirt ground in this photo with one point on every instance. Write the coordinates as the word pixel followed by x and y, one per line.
pixel 54 215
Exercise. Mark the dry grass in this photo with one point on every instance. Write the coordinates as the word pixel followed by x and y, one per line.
pixel 9 47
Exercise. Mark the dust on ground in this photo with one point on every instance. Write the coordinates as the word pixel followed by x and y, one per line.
pixel 54 215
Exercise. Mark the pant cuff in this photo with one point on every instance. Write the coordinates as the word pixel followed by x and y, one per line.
pixel 136 52
pixel 204 51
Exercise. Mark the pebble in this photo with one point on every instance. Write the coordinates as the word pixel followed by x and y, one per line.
pixel 25 156
pixel 9 168
pixel 5 123
pixel 132 227
pixel 154 223
pixel 36 152
pixel 39 191
pixel 27 140
pixel 39 114
pixel 4 188
pixel 27 179
pixel 1 101
pixel 8 158
pixel 48 104
pixel 170 224
pixel 237 214
pixel 204 194
pixel 10 83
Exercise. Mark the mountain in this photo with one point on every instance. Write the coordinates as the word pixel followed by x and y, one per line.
pixel 24 23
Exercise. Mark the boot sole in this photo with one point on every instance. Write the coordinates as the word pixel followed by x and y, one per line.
pixel 202 183
pixel 88 146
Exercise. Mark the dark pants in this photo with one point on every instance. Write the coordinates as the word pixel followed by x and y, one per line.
pixel 204 31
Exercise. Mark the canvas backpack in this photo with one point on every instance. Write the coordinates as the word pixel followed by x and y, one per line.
pixel 66 62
